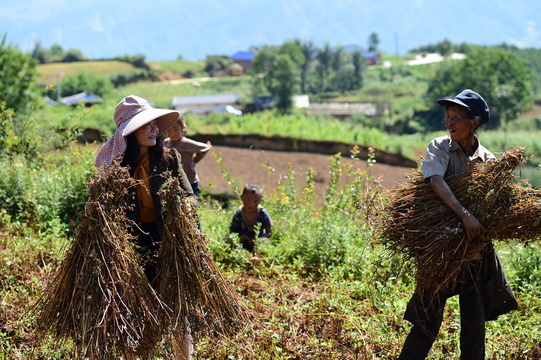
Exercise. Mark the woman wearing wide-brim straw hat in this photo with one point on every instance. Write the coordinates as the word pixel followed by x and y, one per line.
pixel 136 144
pixel 484 293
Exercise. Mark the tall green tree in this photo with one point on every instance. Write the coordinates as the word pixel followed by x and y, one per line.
pixel 73 55
pixel 359 64
pixel 498 75
pixel 308 50
pixel 373 42
pixel 279 67
pixel 286 81
pixel 532 59
pixel 344 78
pixel 265 64
pixel 17 74
pixel 445 48
pixel 40 54
pixel 338 58
pixel 56 53
pixel 323 69
pixel 294 51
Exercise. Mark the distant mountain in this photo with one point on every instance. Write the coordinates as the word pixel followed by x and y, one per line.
pixel 163 30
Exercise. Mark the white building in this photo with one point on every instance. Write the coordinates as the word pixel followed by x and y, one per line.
pixel 205 104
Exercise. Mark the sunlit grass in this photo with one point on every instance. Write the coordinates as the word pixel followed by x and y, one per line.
pixel 48 72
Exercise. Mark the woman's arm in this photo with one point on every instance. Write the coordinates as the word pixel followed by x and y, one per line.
pixel 472 226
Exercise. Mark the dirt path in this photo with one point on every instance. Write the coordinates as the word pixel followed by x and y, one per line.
pixel 266 167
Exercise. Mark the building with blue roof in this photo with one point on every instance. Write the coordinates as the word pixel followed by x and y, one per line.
pixel 243 58
pixel 81 98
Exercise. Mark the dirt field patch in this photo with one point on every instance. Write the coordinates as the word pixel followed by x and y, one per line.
pixel 267 167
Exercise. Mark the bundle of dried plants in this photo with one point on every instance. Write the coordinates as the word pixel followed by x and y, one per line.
pixel 188 279
pixel 418 225
pixel 100 297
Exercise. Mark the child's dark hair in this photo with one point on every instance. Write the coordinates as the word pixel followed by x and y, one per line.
pixel 253 189
pixel 181 121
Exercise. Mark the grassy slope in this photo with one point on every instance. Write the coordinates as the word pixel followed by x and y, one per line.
pixel 48 72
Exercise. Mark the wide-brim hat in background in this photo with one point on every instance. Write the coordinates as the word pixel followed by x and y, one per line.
pixel 471 101
pixel 132 113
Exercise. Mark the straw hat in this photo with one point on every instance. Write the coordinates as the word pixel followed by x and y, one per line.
pixel 132 113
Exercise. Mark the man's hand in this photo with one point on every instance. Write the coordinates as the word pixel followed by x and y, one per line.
pixel 472 226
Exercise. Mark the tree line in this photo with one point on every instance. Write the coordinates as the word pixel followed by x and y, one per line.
pixel 299 66
pixel 509 78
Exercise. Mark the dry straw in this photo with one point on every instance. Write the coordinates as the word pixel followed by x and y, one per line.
pixel 101 298
pixel 418 225
pixel 188 279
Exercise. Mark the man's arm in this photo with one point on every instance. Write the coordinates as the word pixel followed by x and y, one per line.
pixel 472 226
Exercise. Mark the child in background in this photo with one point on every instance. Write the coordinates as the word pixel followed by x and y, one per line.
pixel 249 215
pixel 190 150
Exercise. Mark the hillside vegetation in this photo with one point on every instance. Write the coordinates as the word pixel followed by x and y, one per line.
pixel 400 88
pixel 48 72
pixel 324 286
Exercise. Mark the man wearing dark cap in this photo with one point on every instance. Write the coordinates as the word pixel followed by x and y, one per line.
pixel 452 154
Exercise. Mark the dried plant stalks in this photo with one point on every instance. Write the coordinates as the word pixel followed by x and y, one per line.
pixel 100 296
pixel 188 279
pixel 418 225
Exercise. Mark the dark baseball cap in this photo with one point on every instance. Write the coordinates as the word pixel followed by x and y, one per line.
pixel 470 100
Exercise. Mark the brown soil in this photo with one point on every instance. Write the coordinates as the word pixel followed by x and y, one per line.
pixel 267 167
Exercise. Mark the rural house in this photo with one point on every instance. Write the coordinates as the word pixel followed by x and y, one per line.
pixel 205 104
pixel 243 58
pixel 268 102
pixel 371 57
pixel 343 110
pixel 83 98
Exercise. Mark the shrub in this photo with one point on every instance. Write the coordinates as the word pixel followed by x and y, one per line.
pixel 17 74
pixel 128 77
pixel 527 268
pixel 86 81
pixel 16 135
pixel 138 61
pixel 51 187
pixel 311 239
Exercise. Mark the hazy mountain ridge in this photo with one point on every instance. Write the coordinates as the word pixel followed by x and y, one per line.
pixel 163 30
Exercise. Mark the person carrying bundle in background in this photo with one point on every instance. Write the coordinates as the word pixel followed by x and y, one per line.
pixel 136 143
pixel 484 292
pixel 248 215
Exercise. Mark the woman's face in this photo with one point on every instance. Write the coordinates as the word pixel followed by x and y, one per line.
pixel 146 135
pixel 176 132
pixel 459 123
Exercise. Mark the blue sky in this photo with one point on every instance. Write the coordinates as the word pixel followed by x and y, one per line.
pixel 163 30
